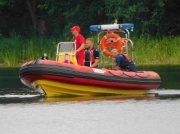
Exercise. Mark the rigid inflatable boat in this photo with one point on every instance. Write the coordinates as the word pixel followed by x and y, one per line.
pixel 63 77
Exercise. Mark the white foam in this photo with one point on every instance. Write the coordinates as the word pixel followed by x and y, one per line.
pixel 17 96
pixel 168 92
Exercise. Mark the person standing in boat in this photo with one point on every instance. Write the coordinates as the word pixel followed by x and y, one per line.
pixel 123 61
pixel 91 54
pixel 80 44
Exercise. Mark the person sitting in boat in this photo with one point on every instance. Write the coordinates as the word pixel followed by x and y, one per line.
pixel 91 54
pixel 80 44
pixel 123 61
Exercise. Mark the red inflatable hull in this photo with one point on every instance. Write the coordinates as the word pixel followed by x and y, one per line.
pixel 85 76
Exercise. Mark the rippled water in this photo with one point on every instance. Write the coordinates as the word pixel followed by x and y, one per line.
pixel 121 116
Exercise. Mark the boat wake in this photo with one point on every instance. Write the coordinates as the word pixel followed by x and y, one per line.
pixel 168 93
pixel 32 97
pixel 20 95
pixel 19 98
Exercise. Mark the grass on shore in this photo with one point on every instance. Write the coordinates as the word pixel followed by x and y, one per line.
pixel 16 50
pixel 164 50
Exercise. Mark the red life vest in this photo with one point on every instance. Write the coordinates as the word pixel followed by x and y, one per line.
pixel 127 57
pixel 92 55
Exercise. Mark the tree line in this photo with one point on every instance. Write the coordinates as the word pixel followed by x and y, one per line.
pixel 55 17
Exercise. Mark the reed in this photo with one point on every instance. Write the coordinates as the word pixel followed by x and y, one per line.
pixel 10 47
pixel 164 50
pixel 16 50
pixel 35 47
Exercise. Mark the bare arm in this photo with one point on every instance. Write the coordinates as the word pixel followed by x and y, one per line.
pixel 95 63
pixel 81 47
pixel 117 68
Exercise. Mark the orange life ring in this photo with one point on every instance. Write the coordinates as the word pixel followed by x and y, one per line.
pixel 118 43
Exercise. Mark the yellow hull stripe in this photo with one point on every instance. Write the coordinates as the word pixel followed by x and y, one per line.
pixel 91 97
pixel 52 88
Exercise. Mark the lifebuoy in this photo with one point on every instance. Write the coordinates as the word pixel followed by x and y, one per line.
pixel 118 43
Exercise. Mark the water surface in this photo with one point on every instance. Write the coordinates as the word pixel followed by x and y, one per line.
pixel 152 116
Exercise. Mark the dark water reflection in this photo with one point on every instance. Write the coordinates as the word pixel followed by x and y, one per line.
pixel 169 75
pixel 12 90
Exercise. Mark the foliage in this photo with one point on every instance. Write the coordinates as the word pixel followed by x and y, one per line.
pixel 16 49
pixel 162 50
pixel 69 13
pixel 10 48
pixel 156 17
pixel 146 14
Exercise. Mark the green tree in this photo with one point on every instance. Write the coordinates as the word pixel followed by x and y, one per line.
pixel 64 14
pixel 145 14
pixel 54 17
pixel 171 20
pixel 17 13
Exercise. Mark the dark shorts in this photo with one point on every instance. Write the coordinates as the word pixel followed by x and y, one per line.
pixel 131 67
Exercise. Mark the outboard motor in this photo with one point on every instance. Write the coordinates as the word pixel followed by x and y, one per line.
pixel 45 56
